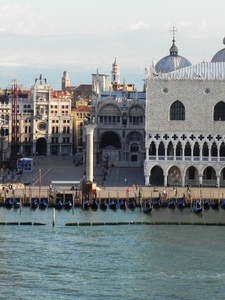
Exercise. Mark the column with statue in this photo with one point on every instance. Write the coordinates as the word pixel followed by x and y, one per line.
pixel 88 185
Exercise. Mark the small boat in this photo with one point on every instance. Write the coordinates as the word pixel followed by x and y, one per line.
pixel 86 204
pixel 196 207
pixel 43 203
pixel 223 203
pixel 58 203
pixel 9 203
pixel 146 207
pixel 214 204
pixel 94 204
pixel 206 204
pixel 103 205
pixel 131 203
pixel 68 204
pixel 181 203
pixel 122 204
pixel 34 203
pixel 16 203
pixel 112 204
pixel 156 203
pixel 172 203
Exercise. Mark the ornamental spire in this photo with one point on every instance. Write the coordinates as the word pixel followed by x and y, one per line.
pixel 173 48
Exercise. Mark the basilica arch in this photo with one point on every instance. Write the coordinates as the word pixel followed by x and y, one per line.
pixel 110 147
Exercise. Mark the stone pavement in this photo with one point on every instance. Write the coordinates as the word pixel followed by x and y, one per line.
pixel 61 168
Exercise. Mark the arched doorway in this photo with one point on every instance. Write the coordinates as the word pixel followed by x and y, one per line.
pixel 110 138
pixel 41 146
pixel 157 177
pixel 109 146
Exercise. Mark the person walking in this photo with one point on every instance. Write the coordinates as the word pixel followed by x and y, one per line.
pixel 128 191
pixel 125 180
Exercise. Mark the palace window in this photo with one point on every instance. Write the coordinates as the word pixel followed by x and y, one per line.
pixel 177 111
pixel 219 111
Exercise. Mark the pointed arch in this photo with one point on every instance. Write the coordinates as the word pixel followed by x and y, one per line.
pixel 161 150
pixel 177 111
pixel 196 150
pixel 170 149
pixel 205 150
pixel 222 150
pixel 179 149
pixel 187 151
pixel 152 149
pixel 214 150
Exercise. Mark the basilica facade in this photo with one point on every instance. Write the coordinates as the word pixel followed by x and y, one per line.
pixel 119 112
pixel 185 122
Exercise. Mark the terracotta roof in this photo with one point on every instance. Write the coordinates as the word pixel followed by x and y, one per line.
pixel 83 108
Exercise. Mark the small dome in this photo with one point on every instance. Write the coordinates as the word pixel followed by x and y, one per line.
pixel 173 49
pixel 220 55
pixel 172 62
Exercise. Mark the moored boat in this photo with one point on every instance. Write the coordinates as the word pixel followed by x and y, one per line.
pixel 58 203
pixel 206 204
pixel 214 204
pixel 181 203
pixel 34 203
pixel 196 207
pixel 9 203
pixel 122 204
pixel 112 204
pixel 146 206
pixel 68 204
pixel 156 203
pixel 131 203
pixel 94 204
pixel 86 204
pixel 172 203
pixel 103 205
pixel 17 203
pixel 43 203
pixel 223 203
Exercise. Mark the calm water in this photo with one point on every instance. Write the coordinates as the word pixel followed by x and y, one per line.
pixel 111 262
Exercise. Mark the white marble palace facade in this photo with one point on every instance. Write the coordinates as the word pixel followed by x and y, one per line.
pixel 185 124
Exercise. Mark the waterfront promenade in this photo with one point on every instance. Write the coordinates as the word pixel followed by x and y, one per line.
pixel 61 168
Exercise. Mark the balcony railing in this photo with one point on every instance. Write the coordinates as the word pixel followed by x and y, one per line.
pixel 187 158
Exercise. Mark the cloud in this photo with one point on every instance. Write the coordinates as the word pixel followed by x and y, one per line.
pixel 18 19
pixel 203 23
pixel 138 25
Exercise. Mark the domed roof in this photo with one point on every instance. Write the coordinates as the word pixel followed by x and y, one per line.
pixel 172 62
pixel 220 55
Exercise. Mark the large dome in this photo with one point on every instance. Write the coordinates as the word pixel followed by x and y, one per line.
pixel 172 62
pixel 220 55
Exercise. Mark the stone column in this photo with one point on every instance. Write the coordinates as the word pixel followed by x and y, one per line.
pixel 147 154
pixel 165 179
pixel 218 181
pixel 89 150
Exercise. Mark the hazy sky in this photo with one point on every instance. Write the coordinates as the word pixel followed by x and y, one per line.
pixel 49 36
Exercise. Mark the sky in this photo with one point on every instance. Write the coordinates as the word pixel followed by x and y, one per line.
pixel 80 36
